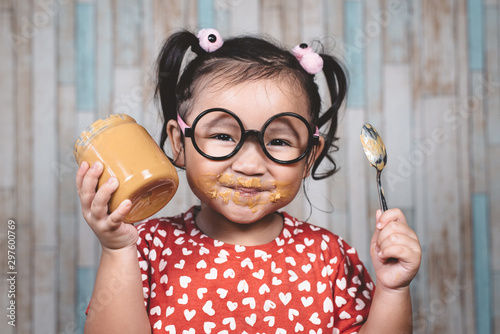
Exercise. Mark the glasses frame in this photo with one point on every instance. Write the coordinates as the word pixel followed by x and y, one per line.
pixel 313 139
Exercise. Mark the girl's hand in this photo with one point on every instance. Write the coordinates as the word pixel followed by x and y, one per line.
pixel 395 250
pixel 110 229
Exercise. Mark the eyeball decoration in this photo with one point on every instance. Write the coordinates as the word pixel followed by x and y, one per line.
pixel 308 59
pixel 210 39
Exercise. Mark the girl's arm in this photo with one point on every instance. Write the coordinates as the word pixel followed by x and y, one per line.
pixel 396 254
pixel 117 304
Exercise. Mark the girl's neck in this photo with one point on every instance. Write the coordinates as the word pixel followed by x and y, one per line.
pixel 218 227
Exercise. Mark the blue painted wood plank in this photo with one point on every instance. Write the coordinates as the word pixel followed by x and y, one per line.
pixel 482 272
pixel 355 41
pixel 127 40
pixel 475 27
pixel 85 57
pixel 205 14
pixel 85 285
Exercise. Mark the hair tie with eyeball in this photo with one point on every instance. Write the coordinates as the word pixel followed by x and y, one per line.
pixel 310 61
pixel 210 39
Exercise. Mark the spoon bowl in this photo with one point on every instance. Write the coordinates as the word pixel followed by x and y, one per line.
pixel 376 154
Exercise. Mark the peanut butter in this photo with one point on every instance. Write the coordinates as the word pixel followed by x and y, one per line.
pixel 146 176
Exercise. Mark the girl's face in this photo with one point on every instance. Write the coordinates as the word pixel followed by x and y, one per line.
pixel 248 186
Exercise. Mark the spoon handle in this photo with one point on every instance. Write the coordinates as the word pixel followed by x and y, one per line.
pixel 381 196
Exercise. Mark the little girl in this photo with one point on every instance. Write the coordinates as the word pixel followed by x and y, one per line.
pixel 243 120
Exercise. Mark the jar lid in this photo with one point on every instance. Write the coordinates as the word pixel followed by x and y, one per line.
pixel 95 128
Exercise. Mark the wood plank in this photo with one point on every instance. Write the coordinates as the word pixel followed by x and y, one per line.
pixel 438 64
pixel 477 122
pixel 245 17
pixel 85 56
pixel 85 286
pixel 222 18
pixel 355 45
pixel 465 175
pixel 361 222
pixel 492 74
pixel 271 14
pixel 494 193
pixel 128 91
pixel 475 17
pixel 443 207
pixel 44 299
pixel 206 14
pixel 333 19
pixel 496 291
pixel 374 74
pixel 67 231
pixel 291 34
pixel 482 273
pixel 7 116
pixel 66 43
pixel 311 21
pixel 127 28
pixel 394 19
pixel 24 163
pixel 5 5
pixel 105 57
pixel 403 159
pixel 45 186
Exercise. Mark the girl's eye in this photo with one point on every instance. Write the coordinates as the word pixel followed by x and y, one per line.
pixel 278 142
pixel 223 137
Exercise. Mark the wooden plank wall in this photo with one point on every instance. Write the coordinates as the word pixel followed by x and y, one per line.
pixel 426 74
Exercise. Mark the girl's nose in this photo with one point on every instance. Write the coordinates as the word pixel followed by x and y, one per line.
pixel 250 159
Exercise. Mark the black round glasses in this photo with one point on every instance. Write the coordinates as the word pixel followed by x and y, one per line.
pixel 218 134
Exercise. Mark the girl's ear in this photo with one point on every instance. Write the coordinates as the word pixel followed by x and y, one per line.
pixel 316 152
pixel 174 134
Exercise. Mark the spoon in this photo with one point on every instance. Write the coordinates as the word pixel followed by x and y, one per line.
pixel 377 156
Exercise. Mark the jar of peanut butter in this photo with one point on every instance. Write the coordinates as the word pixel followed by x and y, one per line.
pixel 145 174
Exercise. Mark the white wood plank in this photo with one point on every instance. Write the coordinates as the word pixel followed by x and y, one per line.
pixel 44 299
pixel 311 21
pixel 45 131
pixel 333 19
pixel 66 42
pixel 443 207
pixel 438 64
pixel 292 27
pixel 105 59
pixel 359 172
pixel 128 92
pixel 127 37
pixel 67 231
pixel 7 116
pixel 402 157
pixel 271 14
pixel 394 18
pixel 24 162
pixel 45 190
pixel 7 212
pixel 245 17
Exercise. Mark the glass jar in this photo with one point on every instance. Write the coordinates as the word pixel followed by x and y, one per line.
pixel 145 174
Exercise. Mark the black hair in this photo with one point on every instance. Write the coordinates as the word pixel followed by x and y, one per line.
pixel 241 59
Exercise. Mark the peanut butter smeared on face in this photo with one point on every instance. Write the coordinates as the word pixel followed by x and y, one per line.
pixel 239 185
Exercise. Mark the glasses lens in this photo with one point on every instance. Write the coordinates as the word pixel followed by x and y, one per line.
pixel 217 133
pixel 286 138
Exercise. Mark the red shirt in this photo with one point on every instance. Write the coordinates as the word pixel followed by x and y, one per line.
pixel 306 280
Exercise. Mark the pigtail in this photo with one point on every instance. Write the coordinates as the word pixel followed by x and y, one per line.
pixel 336 79
pixel 168 66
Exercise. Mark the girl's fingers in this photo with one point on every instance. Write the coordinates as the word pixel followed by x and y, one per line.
pixel 116 217
pixel 388 216
pixel 80 174
pixel 399 241
pixel 88 189
pixel 99 208
pixel 393 228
